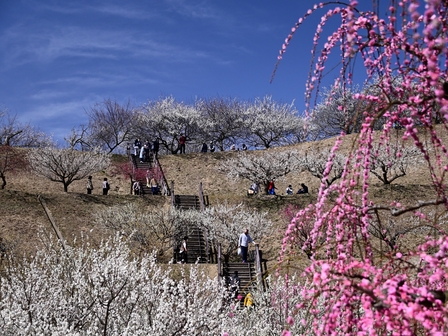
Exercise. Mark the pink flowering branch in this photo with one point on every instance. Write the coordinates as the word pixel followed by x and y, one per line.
pixel 367 290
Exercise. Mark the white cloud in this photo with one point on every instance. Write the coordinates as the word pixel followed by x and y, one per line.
pixel 48 94
pixel 124 10
pixel 45 45
pixel 40 114
pixel 195 9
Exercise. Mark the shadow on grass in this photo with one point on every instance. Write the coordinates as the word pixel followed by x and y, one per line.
pixel 278 202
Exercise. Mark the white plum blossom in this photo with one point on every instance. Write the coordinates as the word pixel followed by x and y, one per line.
pixel 66 165
pixel 261 167
pixel 224 223
pixel 271 123
pixel 393 160
pixel 166 119
pixel 106 290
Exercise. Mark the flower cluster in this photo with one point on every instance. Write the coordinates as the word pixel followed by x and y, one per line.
pixel 368 290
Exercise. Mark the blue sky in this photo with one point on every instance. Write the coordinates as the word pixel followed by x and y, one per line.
pixel 58 58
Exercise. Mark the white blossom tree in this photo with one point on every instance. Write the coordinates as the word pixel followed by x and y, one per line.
pixel 338 111
pixel 79 138
pixel 152 230
pixel 260 167
pixel 224 223
pixel 159 230
pixel 66 165
pixel 165 119
pixel 392 160
pixel 316 161
pixel 269 123
pixel 106 290
pixel 221 121
pixel 16 134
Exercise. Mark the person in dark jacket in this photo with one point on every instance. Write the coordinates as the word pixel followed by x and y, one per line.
pixel 235 283
pixel 155 147
pixel 303 190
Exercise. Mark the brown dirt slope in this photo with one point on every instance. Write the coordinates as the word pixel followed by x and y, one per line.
pixel 21 214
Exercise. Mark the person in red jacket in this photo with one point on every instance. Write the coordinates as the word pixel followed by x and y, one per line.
pixel 271 187
pixel 182 141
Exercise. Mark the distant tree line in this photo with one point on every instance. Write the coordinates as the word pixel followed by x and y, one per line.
pixel 263 123
pixel 224 121
pixel 259 124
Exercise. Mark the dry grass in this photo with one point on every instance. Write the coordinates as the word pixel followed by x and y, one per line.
pixel 21 214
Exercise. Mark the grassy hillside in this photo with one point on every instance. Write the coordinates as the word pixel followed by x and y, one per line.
pixel 22 215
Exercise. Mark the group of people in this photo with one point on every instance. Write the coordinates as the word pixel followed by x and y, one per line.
pixel 205 148
pixel 302 190
pixel 253 189
pixel 143 151
pixel 235 281
pixel 235 148
pixel 105 185
pixel 151 182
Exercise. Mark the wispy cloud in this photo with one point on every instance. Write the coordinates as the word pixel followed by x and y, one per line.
pixel 195 9
pixel 45 45
pixel 48 94
pixel 61 110
pixel 94 80
pixel 124 10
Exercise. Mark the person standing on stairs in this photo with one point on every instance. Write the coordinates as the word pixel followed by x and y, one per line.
pixel 235 283
pixel 147 150
pixel 248 301
pixel 183 251
pixel 154 186
pixel 136 187
pixel 142 153
pixel 243 243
